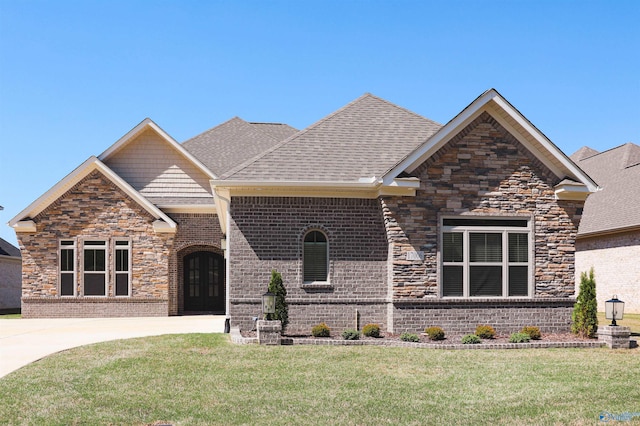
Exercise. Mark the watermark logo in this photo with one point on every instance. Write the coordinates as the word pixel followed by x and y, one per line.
pixel 606 417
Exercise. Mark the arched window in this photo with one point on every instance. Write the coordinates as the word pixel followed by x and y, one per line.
pixel 315 256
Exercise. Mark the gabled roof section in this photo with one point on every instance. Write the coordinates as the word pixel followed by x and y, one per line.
pixel 92 163
pixel 8 249
pixel 361 141
pixel 234 142
pixel 513 121
pixel 148 124
pixel 582 153
pixel 617 206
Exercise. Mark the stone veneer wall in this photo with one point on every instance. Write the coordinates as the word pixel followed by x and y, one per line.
pixel 482 171
pixel 266 233
pixel 615 259
pixel 94 209
pixel 196 232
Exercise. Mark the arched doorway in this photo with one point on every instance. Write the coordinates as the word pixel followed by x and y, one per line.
pixel 204 286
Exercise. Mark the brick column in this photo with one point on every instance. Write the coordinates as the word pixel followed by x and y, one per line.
pixel 269 332
pixel 615 337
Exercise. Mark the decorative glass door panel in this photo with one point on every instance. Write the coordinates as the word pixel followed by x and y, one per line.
pixel 204 286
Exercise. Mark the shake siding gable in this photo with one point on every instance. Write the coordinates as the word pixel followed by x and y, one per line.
pixel 157 170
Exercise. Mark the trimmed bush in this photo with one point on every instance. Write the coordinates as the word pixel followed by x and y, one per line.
pixel 371 330
pixel 435 333
pixel 321 330
pixel 409 337
pixel 533 332
pixel 470 339
pixel 584 318
pixel 519 338
pixel 282 309
pixel 351 335
pixel 485 332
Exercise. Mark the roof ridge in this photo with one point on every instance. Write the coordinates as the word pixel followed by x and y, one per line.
pixel 215 127
pixel 404 109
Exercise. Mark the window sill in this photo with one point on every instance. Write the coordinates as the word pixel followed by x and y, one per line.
pixel 317 285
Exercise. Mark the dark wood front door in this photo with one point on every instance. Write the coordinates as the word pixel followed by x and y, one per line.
pixel 204 287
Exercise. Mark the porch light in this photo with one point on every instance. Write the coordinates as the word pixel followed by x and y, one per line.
pixel 268 303
pixel 614 310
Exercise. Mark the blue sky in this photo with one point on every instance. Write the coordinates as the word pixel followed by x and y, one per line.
pixel 77 75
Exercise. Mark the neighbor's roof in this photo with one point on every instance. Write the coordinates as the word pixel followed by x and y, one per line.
pixel 362 140
pixel 8 249
pixel 234 142
pixel 617 206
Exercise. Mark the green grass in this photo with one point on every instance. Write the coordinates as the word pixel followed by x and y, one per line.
pixel 202 379
pixel 10 316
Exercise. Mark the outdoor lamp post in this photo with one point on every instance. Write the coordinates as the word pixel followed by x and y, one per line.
pixel 614 310
pixel 268 303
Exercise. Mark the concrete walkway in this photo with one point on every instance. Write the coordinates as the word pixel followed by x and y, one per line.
pixel 23 341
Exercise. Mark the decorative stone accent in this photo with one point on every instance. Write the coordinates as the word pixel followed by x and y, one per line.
pixel 615 337
pixel 269 332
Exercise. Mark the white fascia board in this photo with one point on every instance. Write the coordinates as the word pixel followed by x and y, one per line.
pixel 148 123
pixel 188 208
pixel 91 164
pixel 222 199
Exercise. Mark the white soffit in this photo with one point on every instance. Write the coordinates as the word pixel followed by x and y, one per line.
pixel 58 190
pixel 514 122
pixel 147 123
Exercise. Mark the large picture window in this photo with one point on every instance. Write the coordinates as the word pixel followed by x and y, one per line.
pixel 485 257
pixel 67 258
pixel 95 268
pixel 315 257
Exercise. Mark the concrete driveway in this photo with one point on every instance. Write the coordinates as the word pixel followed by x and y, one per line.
pixel 23 341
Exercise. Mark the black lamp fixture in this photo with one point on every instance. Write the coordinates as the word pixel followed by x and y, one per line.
pixel 268 303
pixel 614 310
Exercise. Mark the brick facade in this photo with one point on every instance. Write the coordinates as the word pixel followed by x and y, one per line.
pixel 94 209
pixel 267 233
pixel 606 254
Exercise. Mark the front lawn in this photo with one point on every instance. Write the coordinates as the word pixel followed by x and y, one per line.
pixel 202 379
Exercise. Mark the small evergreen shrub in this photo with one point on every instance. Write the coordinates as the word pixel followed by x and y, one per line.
pixel 371 330
pixel 276 287
pixel 409 337
pixel 321 330
pixel 485 332
pixel 584 318
pixel 435 333
pixel 351 335
pixel 519 338
pixel 470 339
pixel 533 332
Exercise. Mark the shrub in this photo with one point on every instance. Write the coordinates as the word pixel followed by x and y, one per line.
pixel 584 319
pixel 485 332
pixel 435 333
pixel 409 337
pixel 371 330
pixel 519 338
pixel 470 339
pixel 282 310
pixel 351 335
pixel 533 332
pixel 321 330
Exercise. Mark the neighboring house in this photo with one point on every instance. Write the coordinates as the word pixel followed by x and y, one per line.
pixel 373 213
pixel 609 232
pixel 10 277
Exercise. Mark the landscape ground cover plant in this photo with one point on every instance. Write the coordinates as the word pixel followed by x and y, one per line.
pixel 203 379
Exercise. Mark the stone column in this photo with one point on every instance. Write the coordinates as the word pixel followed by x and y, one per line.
pixel 615 337
pixel 269 332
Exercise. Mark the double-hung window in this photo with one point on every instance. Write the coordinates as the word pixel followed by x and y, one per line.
pixel 485 257
pixel 95 268
pixel 67 258
pixel 315 257
pixel 122 267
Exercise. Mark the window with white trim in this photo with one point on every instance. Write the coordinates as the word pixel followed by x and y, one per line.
pixel 67 267
pixel 485 257
pixel 95 268
pixel 122 267
pixel 315 263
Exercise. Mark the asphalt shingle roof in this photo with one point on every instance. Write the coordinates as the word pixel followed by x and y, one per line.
pixel 234 142
pixel 617 205
pixel 366 138
pixel 8 249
